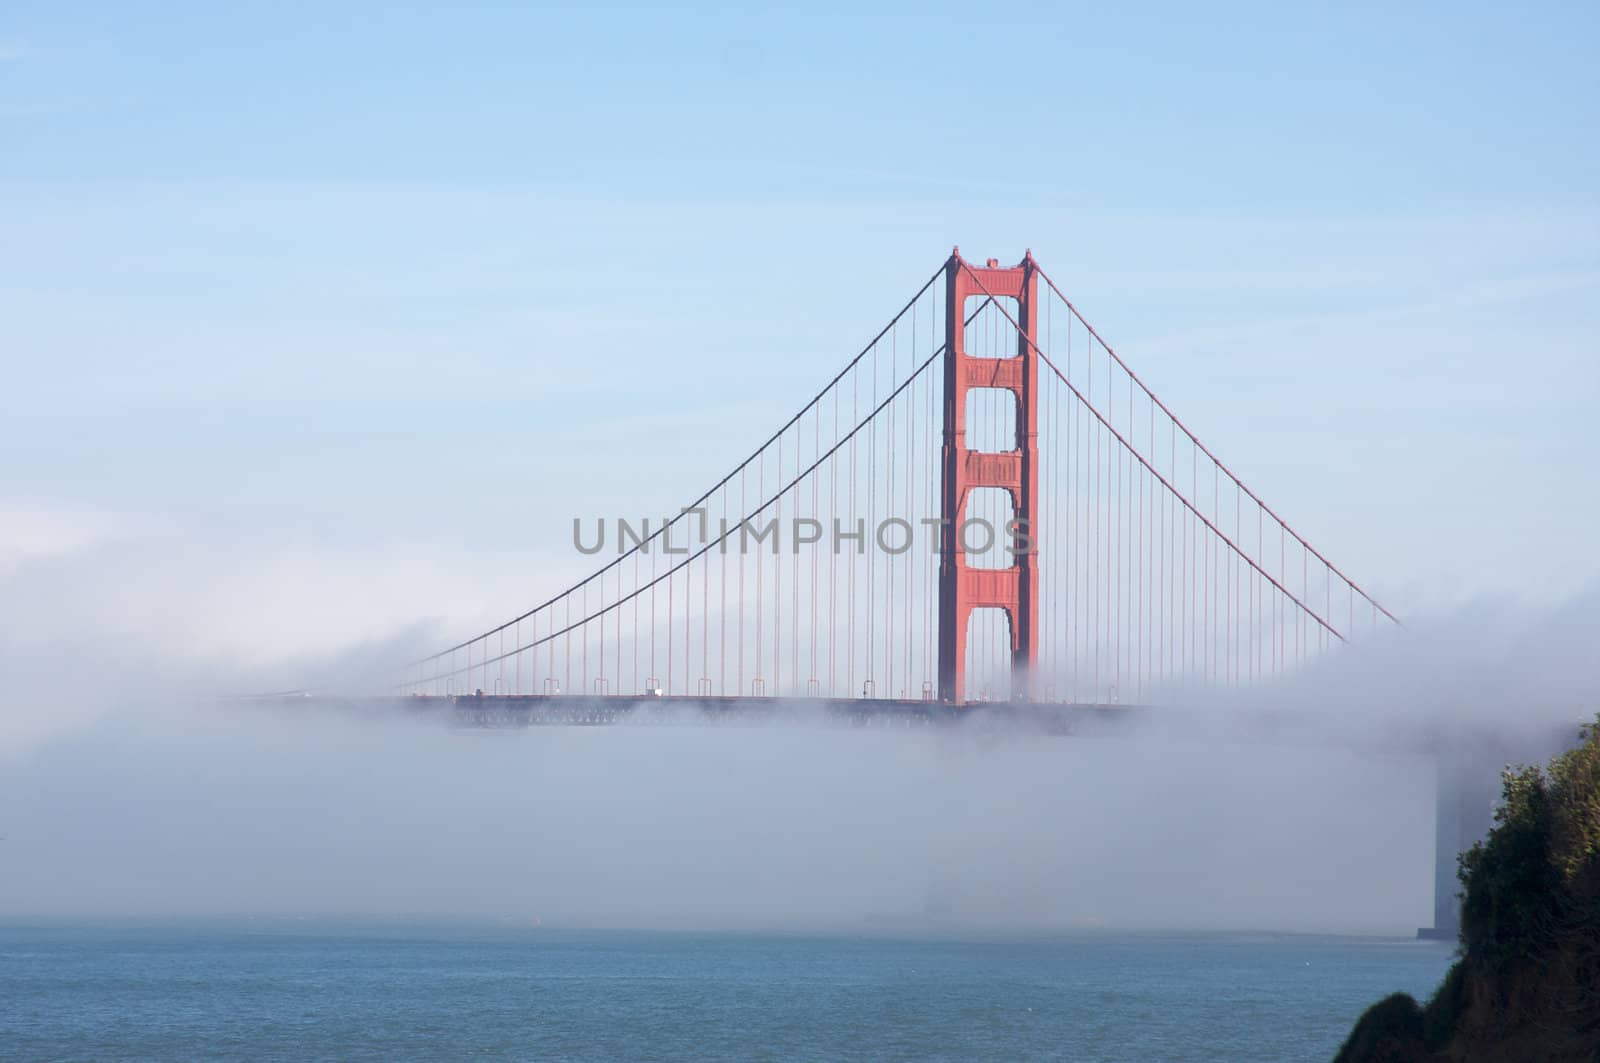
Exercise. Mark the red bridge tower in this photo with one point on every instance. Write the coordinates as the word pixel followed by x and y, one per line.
pixel 962 588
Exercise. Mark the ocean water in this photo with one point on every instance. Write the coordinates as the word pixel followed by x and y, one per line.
pixel 292 990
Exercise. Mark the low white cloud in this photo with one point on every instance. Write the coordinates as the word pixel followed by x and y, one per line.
pixel 36 529
pixel 244 810
pixel 253 605
pixel 127 788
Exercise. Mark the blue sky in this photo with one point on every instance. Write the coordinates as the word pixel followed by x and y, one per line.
pixel 347 313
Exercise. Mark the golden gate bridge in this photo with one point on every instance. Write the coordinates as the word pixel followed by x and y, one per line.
pixel 984 505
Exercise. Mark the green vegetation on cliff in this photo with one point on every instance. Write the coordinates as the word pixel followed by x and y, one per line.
pixel 1527 984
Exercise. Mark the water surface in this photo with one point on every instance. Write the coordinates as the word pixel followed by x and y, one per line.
pixel 299 990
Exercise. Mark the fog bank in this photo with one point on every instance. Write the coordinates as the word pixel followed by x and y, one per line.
pixel 182 806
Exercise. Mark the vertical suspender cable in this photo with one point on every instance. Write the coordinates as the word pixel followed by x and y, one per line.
pixel 742 543
pixel 777 582
pixel 850 606
pixel 761 492
pixel 833 552
pixel 888 561
pixel 872 520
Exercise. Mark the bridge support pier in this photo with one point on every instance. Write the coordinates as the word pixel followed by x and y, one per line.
pixel 1468 786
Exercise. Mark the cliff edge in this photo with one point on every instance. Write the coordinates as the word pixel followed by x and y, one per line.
pixel 1526 985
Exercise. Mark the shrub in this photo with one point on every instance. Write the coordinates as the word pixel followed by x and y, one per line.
pixel 1509 880
pixel 1530 926
pixel 1444 1008
pixel 1389 1030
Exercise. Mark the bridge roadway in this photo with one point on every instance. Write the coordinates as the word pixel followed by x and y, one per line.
pixel 485 710
pixel 1060 719
pixel 1468 763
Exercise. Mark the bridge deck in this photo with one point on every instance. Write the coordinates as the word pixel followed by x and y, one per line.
pixel 1255 725
pixel 595 710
